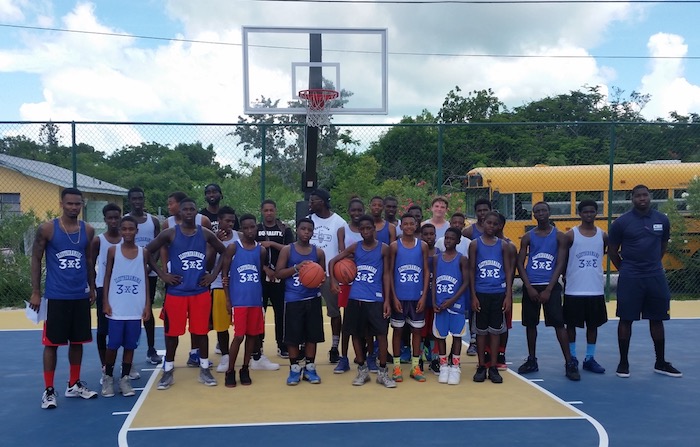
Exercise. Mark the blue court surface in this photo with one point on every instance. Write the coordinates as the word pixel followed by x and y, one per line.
pixel 645 410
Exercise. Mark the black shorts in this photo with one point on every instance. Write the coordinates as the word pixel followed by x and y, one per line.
pixel 303 322
pixel 102 323
pixel 490 320
pixel 365 318
pixel 553 311
pixel 647 296
pixel 67 320
pixel 408 315
pixel 152 285
pixel 588 310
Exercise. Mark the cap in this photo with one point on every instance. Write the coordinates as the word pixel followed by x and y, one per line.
pixel 323 194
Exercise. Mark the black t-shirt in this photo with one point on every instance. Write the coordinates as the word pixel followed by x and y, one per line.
pixel 212 217
pixel 278 233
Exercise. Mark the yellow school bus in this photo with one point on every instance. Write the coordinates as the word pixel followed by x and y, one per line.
pixel 513 191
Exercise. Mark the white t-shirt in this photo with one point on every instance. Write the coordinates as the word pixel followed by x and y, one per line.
pixel 326 235
pixel 462 247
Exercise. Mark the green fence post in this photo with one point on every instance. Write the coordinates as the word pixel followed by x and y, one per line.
pixel 74 155
pixel 610 202
pixel 439 160
pixel 263 143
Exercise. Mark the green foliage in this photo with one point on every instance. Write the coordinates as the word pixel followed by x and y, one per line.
pixel 15 258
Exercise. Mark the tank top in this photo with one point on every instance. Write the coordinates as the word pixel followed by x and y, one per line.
pixel 408 271
pixel 213 218
pixel 187 258
pixel 127 287
pixel 146 233
pixel 383 234
pixel 245 288
pixel 101 263
pixel 542 257
pixel 370 270
pixel 217 283
pixel 584 270
pixel 66 264
pixel 448 280
pixel 475 232
pixel 489 276
pixel 293 289
pixel 351 237
pixel 172 222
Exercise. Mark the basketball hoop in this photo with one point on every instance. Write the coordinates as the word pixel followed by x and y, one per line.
pixel 317 103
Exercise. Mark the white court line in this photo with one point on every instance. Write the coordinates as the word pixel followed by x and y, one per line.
pixel 123 431
pixel 536 380
pixel 575 402
pixel 120 413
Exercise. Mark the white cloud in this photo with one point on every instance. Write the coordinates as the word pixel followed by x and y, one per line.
pixel 11 10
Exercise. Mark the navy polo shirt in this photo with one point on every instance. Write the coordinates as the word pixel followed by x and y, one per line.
pixel 640 237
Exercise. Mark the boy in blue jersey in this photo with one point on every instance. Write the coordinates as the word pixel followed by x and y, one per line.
pixel 303 317
pixel 490 279
pixel 545 249
pixel 386 231
pixel 369 306
pixel 450 282
pixel 241 273
pixel 409 289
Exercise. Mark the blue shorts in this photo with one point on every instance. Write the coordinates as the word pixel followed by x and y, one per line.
pixel 647 296
pixel 446 323
pixel 409 314
pixel 123 333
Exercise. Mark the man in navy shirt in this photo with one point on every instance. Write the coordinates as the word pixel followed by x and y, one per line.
pixel 638 241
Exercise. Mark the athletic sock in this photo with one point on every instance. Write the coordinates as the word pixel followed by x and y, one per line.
pixel 169 366
pixel 625 349
pixel 572 348
pixel 397 360
pixel 74 374
pixel 455 360
pixel 126 369
pixel 501 350
pixel 590 351
pixel 310 360
pixel 194 351
pixel 256 355
pixel 204 363
pixel 443 360
pixel 109 369
pixel 335 341
pixel 659 349
pixel 48 378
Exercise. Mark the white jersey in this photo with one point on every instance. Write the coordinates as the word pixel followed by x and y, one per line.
pixel 351 237
pixel 127 286
pixel 146 233
pixel 462 248
pixel 326 235
pixel 218 284
pixel 197 220
pixel 101 263
pixel 584 269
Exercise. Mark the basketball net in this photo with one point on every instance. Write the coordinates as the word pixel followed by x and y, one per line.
pixel 317 102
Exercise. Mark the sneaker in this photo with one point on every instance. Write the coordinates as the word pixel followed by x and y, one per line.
pixel 372 363
pixel 593 366
pixel 362 375
pixel 103 376
pixel 471 350
pixel 79 389
pixel 480 374
pixel 384 379
pixel 217 350
pixel 342 366
pixel 244 374
pixel 529 366
pixel 282 353
pixel 166 380
pixel 417 374
pixel 455 375
pixel 263 364
pixel 206 378
pixel 623 370
pixel 48 399
pixel 435 366
pixel 230 380
pixel 310 374
pixel 494 375
pixel 501 362
pixel 125 387
pixel 153 357
pixel 193 360
pixel 405 355
pixel 333 355
pixel 107 386
pixel 397 374
pixel 134 375
pixel 444 375
pixel 574 360
pixel 294 375
pixel 667 369
pixel 571 369
pixel 222 367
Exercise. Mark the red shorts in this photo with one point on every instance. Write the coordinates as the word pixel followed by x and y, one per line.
pixel 248 321
pixel 178 309
pixel 343 295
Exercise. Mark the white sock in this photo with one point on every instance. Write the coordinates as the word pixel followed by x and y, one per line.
pixel 169 366
pixel 204 363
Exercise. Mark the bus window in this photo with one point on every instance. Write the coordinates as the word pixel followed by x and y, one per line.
pixel 621 202
pixel 679 198
pixel 559 203
pixel 597 196
pixel 658 197
pixel 522 206
pixel 472 195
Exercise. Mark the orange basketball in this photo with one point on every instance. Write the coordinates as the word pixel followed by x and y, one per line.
pixel 345 271
pixel 311 275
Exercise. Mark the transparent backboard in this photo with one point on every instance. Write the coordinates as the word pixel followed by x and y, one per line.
pixel 280 62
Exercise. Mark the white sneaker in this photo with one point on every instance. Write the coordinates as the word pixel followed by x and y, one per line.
pixel 134 375
pixel 48 399
pixel 223 364
pixel 444 375
pixel 264 364
pixel 455 375
pixel 107 386
pixel 80 390
pixel 125 386
pixel 217 350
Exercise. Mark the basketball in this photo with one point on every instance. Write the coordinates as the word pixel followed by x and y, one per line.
pixel 311 275
pixel 345 271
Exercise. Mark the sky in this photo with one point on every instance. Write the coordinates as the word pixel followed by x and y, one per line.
pixel 65 76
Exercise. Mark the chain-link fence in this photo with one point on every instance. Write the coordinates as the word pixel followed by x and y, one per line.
pixel 561 163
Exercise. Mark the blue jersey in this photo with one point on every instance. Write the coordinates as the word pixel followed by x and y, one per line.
pixel 448 280
pixel 187 257
pixel 489 276
pixel 542 257
pixel 370 270
pixel 408 271
pixel 245 288
pixel 294 290
pixel 383 235
pixel 475 232
pixel 66 264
